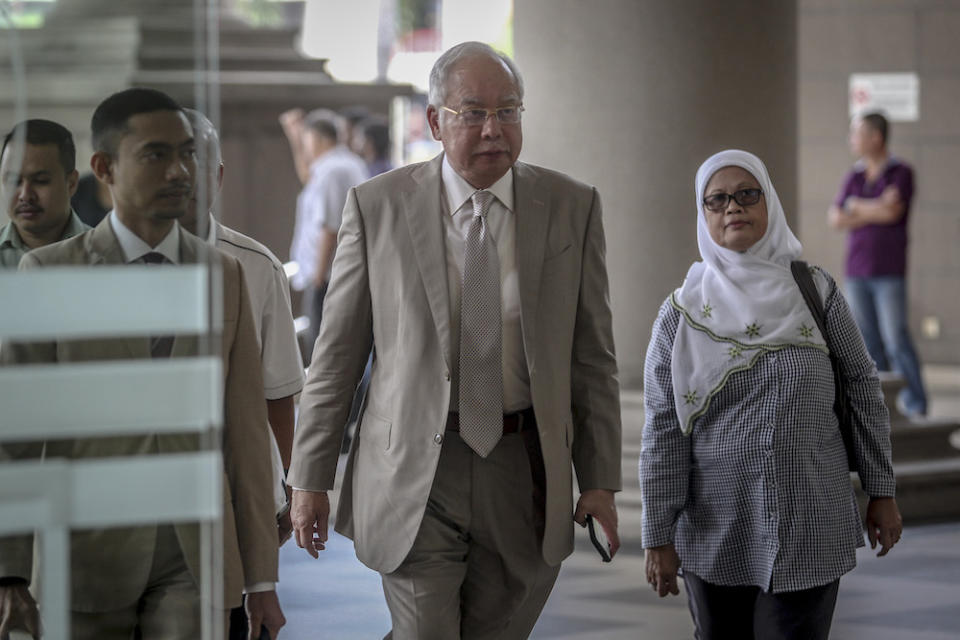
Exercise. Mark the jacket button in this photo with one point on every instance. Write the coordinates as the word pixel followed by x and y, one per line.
pixel 438 438
pixel 447 376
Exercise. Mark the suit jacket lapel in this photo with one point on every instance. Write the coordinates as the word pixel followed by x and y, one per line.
pixel 531 223
pixel 420 205
pixel 103 246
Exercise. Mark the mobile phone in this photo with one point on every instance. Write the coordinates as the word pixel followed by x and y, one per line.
pixel 599 539
pixel 284 510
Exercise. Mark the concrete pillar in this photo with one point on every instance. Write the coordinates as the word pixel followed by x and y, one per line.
pixel 631 96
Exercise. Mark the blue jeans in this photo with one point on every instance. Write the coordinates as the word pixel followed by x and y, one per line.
pixel 879 308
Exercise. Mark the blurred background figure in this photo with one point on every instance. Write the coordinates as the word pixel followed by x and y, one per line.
pixel 92 200
pixel 873 205
pixel 327 169
pixel 373 135
pixel 350 121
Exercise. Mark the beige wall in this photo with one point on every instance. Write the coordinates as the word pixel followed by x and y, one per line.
pixel 632 96
pixel 841 37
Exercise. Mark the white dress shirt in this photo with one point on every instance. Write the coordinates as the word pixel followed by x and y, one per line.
pixel 501 221
pixel 134 248
pixel 320 207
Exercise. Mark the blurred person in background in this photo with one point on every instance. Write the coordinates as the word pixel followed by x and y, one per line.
pixel 92 200
pixel 374 144
pixel 328 169
pixel 873 206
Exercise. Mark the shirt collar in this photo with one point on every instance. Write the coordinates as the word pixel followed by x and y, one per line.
pixel 75 227
pixel 458 191
pixel 134 247
pixel 212 233
pixel 10 237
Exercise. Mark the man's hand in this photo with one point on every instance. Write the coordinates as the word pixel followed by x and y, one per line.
pixel 263 609
pixel 837 218
pixel 309 513
pixel 600 504
pixel 890 195
pixel 18 610
pixel 884 524
pixel 292 121
pixel 661 564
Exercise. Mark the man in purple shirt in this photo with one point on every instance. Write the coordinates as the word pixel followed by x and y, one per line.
pixel 873 205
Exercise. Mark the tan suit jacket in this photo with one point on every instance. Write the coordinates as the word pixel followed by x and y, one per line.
pixel 109 567
pixel 389 284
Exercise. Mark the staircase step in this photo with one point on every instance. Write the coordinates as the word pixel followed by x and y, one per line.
pixel 927 491
pixel 926 440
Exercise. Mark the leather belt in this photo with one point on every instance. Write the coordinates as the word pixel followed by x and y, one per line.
pixel 512 422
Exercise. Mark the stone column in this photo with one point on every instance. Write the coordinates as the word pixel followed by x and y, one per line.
pixel 631 96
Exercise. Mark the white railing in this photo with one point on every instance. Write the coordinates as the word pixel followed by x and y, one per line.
pixel 119 397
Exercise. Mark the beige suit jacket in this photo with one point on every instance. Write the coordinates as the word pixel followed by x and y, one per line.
pixel 109 567
pixel 389 287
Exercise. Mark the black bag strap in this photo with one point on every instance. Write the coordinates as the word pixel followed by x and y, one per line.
pixel 801 273
pixel 808 288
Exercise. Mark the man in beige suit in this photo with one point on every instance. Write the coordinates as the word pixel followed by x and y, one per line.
pixel 146 579
pixel 466 514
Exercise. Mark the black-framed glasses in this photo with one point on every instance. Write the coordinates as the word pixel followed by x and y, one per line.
pixel 743 197
pixel 476 116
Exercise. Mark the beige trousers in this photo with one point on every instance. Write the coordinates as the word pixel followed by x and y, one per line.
pixel 476 570
pixel 169 608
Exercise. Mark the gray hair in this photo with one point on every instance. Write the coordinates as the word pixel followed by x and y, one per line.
pixel 449 59
pixel 206 137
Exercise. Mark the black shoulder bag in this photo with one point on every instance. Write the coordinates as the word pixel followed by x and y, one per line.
pixel 841 405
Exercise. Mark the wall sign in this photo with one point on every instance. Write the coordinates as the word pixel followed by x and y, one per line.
pixel 897 95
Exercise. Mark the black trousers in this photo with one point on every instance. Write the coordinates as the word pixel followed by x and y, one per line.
pixel 748 613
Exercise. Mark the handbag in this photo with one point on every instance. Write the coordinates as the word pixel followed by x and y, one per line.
pixel 841 403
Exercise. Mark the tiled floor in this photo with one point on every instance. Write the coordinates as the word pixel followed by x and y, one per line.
pixel 912 594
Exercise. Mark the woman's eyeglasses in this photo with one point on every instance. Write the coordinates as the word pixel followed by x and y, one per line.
pixel 744 197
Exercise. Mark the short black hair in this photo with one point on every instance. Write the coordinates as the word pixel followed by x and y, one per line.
pixel 355 114
pixel 109 122
pixel 38 131
pixel 324 122
pixel 377 131
pixel 878 122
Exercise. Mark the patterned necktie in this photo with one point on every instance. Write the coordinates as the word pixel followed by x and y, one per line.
pixel 481 373
pixel 160 346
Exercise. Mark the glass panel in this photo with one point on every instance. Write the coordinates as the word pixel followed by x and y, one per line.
pixel 99 441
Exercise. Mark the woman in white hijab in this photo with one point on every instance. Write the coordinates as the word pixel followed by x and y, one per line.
pixel 744 473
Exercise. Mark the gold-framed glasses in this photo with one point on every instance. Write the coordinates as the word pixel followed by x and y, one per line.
pixel 476 116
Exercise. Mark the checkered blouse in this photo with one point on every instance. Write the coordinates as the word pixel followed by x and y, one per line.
pixel 759 493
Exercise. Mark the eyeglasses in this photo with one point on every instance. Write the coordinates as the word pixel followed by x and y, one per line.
pixel 476 117
pixel 743 197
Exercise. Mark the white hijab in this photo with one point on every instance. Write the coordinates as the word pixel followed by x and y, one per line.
pixel 736 306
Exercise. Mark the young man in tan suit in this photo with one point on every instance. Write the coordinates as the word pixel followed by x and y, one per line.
pixel 146 579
